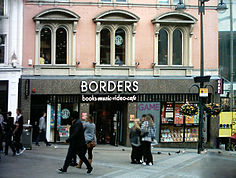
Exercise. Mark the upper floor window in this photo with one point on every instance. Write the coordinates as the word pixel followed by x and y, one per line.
pixel 115 36
pixel 174 2
pixel 172 39
pixel 55 36
pixel 114 1
pixel 2 48
pixel 1 7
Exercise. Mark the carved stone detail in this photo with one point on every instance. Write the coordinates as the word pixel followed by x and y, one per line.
pixel 157 28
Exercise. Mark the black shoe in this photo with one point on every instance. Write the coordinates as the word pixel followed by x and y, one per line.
pixel 90 170
pixel 48 144
pixel 62 170
pixel 133 162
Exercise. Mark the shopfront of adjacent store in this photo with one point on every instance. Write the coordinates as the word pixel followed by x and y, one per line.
pixel 114 103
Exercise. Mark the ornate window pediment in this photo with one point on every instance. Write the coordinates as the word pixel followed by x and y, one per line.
pixel 55 36
pixel 116 16
pixel 56 14
pixel 115 38
pixel 175 17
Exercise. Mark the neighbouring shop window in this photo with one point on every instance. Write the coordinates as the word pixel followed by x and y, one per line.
pixel 2 48
pixel 105 46
pixel 114 1
pixel 177 47
pixel 61 46
pixel 120 47
pixel 176 127
pixel 162 47
pixel 1 7
pixel 45 46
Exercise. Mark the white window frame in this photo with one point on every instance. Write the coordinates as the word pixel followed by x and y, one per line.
pixel 170 2
pixel 5 50
pixel 114 1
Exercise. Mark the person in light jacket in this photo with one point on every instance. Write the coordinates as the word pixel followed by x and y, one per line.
pixel 148 132
pixel 90 136
pixel 136 153
pixel 42 130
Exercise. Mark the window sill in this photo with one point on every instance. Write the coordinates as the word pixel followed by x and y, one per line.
pixel 50 66
pixel 116 67
pixel 174 67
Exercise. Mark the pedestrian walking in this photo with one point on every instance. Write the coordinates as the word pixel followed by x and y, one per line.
pixel 1 130
pixel 73 119
pixel 8 125
pixel 90 138
pixel 136 153
pixel 148 132
pixel 17 132
pixel 77 146
pixel 42 130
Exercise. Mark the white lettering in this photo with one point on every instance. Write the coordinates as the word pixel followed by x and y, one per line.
pixel 127 86
pixel 110 88
pixel 83 86
pixel 103 85
pixel 135 86
pixel 120 86
pixel 95 86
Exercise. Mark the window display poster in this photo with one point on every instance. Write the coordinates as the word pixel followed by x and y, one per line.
pixel 131 117
pixel 152 108
pixel 84 115
pixel 189 119
pixel 168 116
pixel 52 120
pixel 179 119
pixel 58 115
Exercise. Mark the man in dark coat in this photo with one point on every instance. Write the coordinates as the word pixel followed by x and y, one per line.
pixel 8 127
pixel 77 146
pixel 17 132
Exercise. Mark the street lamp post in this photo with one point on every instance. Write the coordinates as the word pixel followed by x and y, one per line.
pixel 201 10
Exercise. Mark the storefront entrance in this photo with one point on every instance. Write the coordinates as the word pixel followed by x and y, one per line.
pixel 109 120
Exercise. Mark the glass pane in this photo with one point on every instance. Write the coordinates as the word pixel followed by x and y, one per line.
pixel 1 7
pixel 105 46
pixel 45 46
pixel 177 48
pixel 61 46
pixel 120 0
pixel 163 1
pixel 2 48
pixel 106 0
pixel 162 47
pixel 120 47
pixel 177 1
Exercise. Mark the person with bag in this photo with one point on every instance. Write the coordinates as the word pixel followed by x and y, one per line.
pixel 90 138
pixel 148 132
pixel 136 153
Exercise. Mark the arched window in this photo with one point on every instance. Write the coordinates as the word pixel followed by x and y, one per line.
pixel 45 46
pixel 120 47
pixel 177 47
pixel 162 47
pixel 61 46
pixel 105 46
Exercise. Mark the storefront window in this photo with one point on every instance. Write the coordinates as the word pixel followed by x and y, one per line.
pixel 163 1
pixel 45 46
pixel 162 47
pixel 61 46
pixel 120 47
pixel 175 127
pixel 2 48
pixel 177 47
pixel 105 46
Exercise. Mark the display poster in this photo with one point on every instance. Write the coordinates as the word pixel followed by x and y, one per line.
pixel 178 119
pixel 131 118
pixel 152 108
pixel 84 115
pixel 168 116
pixel 189 119
pixel 52 120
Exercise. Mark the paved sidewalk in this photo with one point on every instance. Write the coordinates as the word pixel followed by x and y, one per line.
pixel 114 162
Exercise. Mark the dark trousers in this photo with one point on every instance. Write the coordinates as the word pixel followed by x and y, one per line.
pixel 17 142
pixel 71 152
pixel 90 153
pixel 42 134
pixel 136 154
pixel 10 143
pixel 147 154
pixel 1 138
